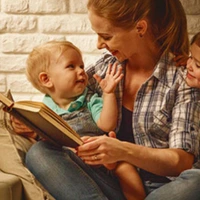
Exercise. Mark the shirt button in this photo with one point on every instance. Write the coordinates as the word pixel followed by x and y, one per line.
pixel 74 105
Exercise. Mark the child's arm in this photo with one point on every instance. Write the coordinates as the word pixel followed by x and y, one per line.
pixel 130 181
pixel 108 117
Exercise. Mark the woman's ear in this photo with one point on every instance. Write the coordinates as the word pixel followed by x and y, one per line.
pixel 45 80
pixel 141 27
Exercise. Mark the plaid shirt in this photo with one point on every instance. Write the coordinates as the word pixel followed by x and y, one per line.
pixel 166 110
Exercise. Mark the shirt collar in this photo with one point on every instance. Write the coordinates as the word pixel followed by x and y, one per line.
pixel 74 105
pixel 165 69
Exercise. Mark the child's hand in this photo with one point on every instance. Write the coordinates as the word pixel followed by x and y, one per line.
pixel 112 78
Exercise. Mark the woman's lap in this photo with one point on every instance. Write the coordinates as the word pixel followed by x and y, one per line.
pixel 184 187
pixel 66 176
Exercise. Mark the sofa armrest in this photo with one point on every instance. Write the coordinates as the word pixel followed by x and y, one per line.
pixel 10 187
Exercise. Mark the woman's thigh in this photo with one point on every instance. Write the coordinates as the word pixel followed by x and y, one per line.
pixel 184 187
pixel 66 176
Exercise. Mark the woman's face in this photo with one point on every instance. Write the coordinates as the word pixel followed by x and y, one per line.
pixel 193 67
pixel 117 41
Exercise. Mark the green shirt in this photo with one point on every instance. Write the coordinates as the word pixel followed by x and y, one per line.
pixel 94 105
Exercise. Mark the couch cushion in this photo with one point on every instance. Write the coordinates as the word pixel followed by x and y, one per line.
pixel 13 148
pixel 10 187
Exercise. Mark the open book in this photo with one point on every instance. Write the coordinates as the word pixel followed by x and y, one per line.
pixel 42 120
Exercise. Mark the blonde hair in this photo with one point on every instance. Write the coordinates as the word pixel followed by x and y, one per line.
pixel 166 19
pixel 39 60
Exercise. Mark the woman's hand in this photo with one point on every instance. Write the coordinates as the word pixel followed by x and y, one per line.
pixel 101 150
pixel 22 129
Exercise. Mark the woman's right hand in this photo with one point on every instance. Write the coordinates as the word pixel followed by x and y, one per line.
pixel 22 129
pixel 101 150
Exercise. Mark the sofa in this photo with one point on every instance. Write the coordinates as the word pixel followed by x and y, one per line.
pixel 16 181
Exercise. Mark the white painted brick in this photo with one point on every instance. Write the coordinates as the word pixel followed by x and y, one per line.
pixel 27 96
pixel 12 63
pixel 15 6
pixel 48 6
pixel 86 43
pixel 191 6
pixel 19 83
pixel 193 23
pixel 65 24
pixel 17 24
pixel 25 43
pixel 78 6
pixel 2 83
pixel 25 24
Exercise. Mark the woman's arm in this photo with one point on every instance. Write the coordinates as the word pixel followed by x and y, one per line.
pixel 22 129
pixel 164 162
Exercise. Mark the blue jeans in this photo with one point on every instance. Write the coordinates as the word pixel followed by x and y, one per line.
pixel 67 177
pixel 184 187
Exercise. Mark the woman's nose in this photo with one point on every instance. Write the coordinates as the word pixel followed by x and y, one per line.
pixel 100 43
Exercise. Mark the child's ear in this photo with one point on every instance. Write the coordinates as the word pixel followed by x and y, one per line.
pixel 45 80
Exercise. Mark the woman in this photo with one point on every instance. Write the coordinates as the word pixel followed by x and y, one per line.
pixel 159 114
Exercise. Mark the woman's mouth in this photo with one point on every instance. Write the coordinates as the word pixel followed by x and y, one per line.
pixel 114 53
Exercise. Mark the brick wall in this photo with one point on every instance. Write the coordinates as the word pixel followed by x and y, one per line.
pixel 27 23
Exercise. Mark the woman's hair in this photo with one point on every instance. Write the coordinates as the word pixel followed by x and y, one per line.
pixel 39 60
pixel 196 39
pixel 166 20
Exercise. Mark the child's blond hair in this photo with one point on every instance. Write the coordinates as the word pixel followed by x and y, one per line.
pixel 39 60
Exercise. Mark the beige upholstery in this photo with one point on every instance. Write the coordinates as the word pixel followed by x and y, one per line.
pixel 15 178
pixel 10 187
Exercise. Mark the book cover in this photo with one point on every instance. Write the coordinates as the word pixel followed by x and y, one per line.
pixel 42 120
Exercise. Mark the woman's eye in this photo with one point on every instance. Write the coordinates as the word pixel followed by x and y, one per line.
pixel 107 38
pixel 70 66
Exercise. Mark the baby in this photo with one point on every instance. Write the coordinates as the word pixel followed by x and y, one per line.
pixel 56 69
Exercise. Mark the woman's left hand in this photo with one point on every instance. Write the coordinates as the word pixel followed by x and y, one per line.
pixel 101 150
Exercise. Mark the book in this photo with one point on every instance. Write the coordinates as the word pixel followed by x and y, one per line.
pixel 42 120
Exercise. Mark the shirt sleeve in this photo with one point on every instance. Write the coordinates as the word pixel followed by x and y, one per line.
pixel 185 129
pixel 95 106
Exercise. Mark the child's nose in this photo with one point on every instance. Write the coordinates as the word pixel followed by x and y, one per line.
pixel 189 64
pixel 81 71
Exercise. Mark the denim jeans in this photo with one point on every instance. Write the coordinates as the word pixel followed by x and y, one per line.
pixel 67 177
pixel 184 187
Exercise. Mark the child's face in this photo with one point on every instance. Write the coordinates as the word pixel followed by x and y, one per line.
pixel 67 75
pixel 193 67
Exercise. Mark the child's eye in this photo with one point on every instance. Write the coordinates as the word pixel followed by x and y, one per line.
pixel 198 66
pixel 82 66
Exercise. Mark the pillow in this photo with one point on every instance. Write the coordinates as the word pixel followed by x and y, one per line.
pixel 13 148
